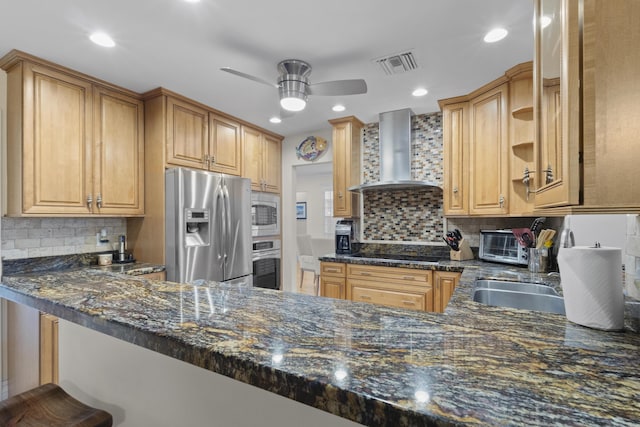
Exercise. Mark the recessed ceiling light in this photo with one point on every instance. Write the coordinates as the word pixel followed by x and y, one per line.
pixel 275 120
pixel 495 35
pixel 545 20
pixel 338 108
pixel 419 92
pixel 102 39
pixel 192 1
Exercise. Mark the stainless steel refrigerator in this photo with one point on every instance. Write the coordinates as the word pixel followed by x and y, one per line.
pixel 208 226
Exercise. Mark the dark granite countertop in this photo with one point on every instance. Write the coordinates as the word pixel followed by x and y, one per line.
pixel 474 364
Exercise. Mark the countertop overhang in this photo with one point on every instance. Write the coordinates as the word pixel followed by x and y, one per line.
pixel 474 364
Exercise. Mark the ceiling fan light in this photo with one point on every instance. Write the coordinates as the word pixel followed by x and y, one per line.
pixel 292 103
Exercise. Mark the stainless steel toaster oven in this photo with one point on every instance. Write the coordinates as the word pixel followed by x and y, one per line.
pixel 503 247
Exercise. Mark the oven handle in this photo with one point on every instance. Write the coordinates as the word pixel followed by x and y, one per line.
pixel 257 256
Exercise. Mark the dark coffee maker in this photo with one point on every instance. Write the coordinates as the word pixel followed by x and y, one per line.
pixel 346 236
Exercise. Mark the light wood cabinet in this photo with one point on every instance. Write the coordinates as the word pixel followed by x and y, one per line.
pixel 455 132
pixel 74 145
pixel 333 280
pixel 488 152
pixel 262 160
pixel 119 153
pixel 200 139
pixel 521 150
pixel 392 286
pixel 346 166
pixel 445 283
pixel 48 349
pixel 158 275
pixel 487 144
pixel 586 92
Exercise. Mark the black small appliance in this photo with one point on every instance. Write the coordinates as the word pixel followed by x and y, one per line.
pixel 346 236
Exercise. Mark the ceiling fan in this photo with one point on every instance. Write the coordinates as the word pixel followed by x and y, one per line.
pixel 294 87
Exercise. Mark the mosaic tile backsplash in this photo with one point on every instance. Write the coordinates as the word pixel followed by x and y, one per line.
pixel 405 215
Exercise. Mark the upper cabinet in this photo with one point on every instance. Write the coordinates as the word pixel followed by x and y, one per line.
pixel 201 139
pixel 262 159
pixel 75 144
pixel 586 109
pixel 488 147
pixel 346 166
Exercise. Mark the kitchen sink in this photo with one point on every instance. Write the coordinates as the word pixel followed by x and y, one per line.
pixel 534 288
pixel 521 295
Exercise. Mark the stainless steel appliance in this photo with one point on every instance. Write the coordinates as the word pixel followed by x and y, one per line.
pixel 208 226
pixel 346 236
pixel 503 247
pixel 265 214
pixel 266 263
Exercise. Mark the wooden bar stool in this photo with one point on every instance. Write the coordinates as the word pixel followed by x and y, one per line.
pixel 49 405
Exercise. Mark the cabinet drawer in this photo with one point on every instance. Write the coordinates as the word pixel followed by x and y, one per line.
pixel 399 275
pixel 335 269
pixel 415 301
pixel 158 275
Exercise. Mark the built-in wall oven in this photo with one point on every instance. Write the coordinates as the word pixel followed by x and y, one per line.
pixel 266 263
pixel 265 214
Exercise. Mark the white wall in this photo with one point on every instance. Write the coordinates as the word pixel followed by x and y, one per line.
pixel 289 225
pixel 310 188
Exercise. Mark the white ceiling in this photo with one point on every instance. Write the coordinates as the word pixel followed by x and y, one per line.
pixel 181 46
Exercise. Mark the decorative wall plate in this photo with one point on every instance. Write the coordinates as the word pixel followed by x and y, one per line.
pixel 311 148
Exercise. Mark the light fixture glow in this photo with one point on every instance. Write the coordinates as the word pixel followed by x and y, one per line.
pixel 277 358
pixel 275 120
pixel 545 20
pixel 293 104
pixel 102 39
pixel 420 92
pixel 421 396
pixel 338 107
pixel 340 374
pixel 495 35
pixel 192 1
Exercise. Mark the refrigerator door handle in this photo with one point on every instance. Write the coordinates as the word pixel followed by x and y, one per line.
pixel 227 221
pixel 220 221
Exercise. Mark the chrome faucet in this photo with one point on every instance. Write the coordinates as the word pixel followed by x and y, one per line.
pixel 566 239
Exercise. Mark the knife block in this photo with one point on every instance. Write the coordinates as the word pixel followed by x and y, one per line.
pixel 463 254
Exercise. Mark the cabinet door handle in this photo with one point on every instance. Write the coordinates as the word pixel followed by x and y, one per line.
pixel 409 277
pixel 212 159
pixel 340 194
pixel 89 202
pixel 455 190
pixel 332 270
pixel 99 201
pixel 364 273
pixel 411 303
pixel 365 297
pixel 501 200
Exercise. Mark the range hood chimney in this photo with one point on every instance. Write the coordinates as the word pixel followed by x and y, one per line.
pixel 395 154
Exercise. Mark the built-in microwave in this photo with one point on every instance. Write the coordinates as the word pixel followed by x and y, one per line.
pixel 502 246
pixel 265 214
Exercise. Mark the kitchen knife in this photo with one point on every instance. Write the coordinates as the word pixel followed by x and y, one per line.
pixel 457 234
pixel 537 225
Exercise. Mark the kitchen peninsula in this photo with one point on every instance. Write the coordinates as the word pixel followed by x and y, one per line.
pixel 374 365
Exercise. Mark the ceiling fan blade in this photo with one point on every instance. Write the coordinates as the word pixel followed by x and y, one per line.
pixel 338 87
pixel 248 76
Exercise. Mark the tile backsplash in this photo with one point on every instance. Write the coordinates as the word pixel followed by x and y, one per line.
pixel 405 215
pixel 38 237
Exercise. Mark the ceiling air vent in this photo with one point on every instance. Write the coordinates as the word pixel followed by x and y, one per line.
pixel 398 63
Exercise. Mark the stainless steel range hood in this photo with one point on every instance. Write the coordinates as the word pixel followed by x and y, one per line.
pixel 395 154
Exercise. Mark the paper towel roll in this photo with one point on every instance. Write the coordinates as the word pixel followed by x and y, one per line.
pixel 591 280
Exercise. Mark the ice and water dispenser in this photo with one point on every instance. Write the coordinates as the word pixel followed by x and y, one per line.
pixel 196 227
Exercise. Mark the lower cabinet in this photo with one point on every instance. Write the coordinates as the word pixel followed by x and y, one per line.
pixel 159 275
pixel 415 289
pixel 445 283
pixel 333 280
pixel 48 349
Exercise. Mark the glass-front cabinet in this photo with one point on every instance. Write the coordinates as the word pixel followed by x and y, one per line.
pixel 586 109
pixel 557 103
